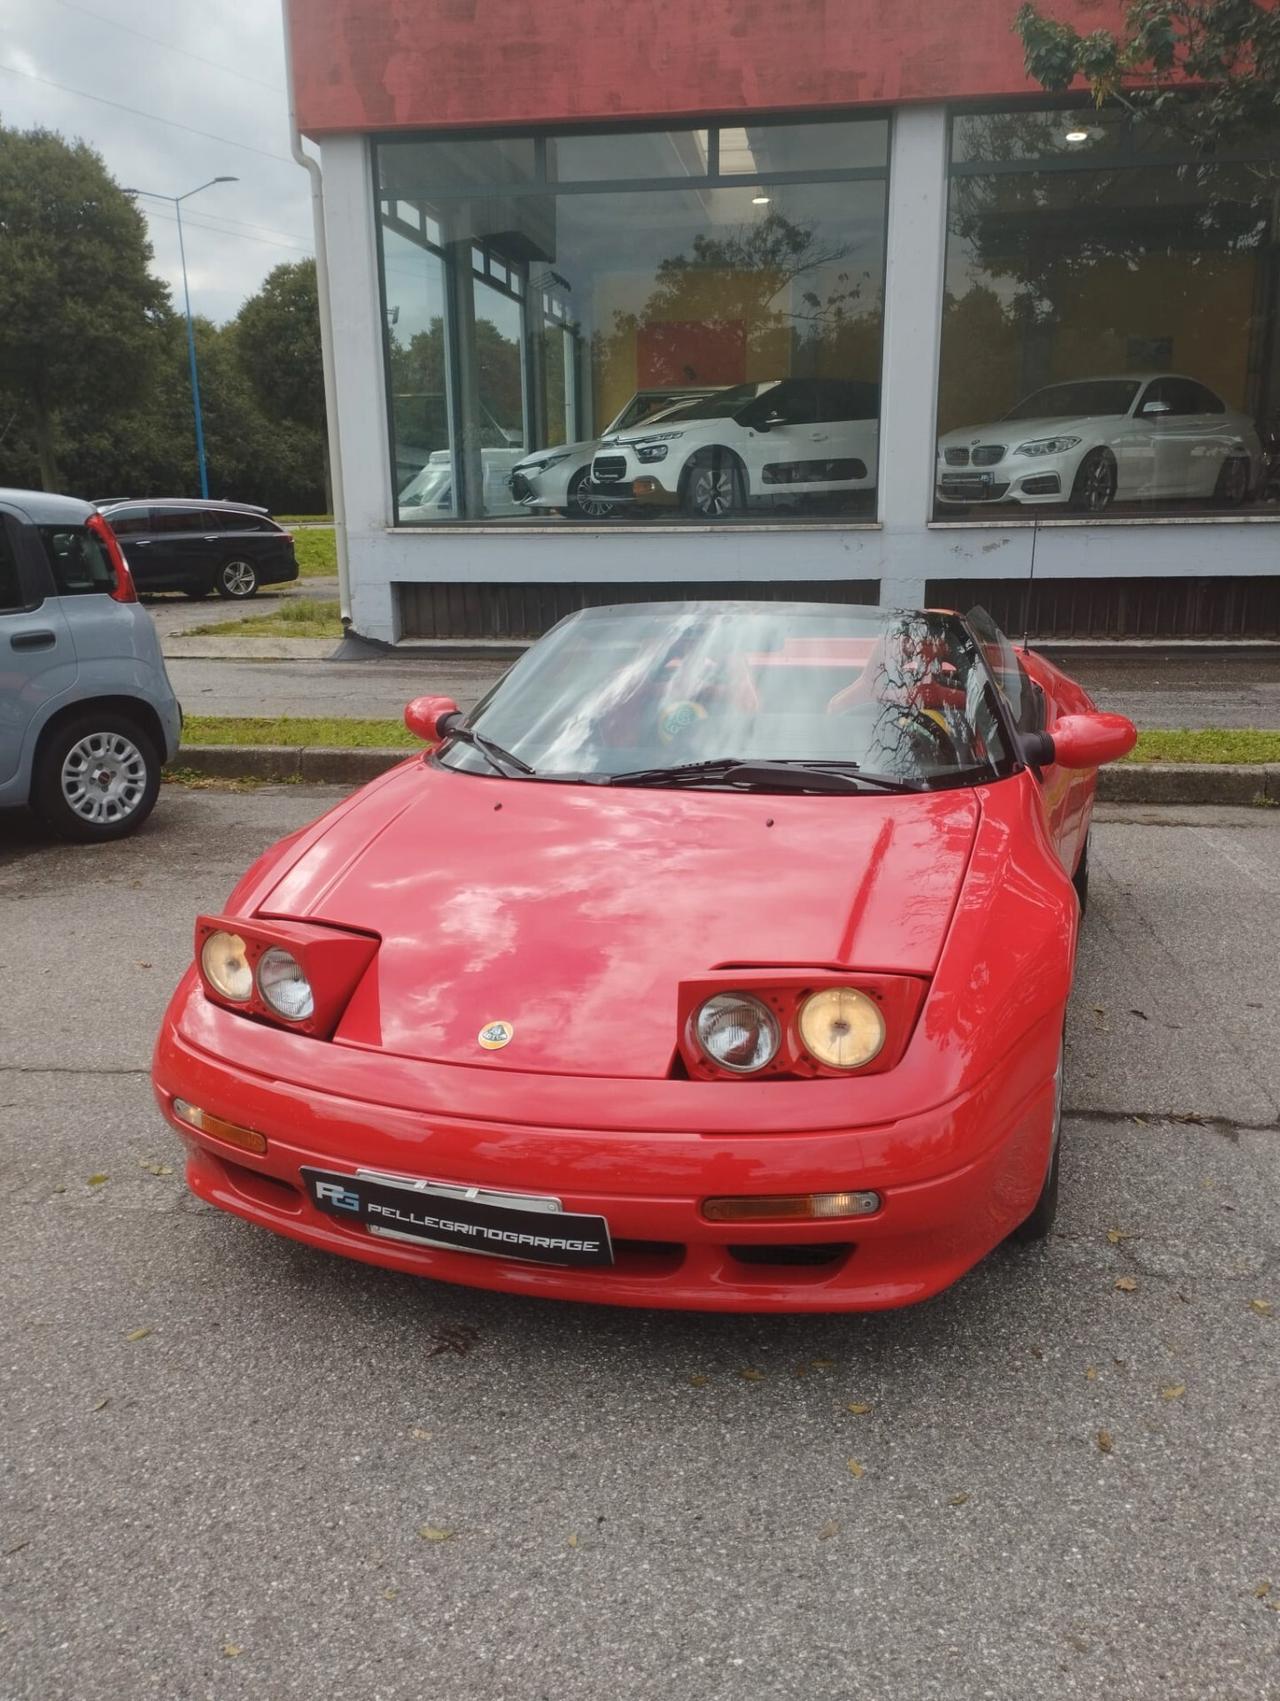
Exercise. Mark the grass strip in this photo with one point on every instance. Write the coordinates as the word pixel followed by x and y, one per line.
pixel 1234 746
pixel 296 617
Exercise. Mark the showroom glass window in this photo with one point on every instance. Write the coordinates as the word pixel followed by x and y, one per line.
pixel 1109 341
pixel 540 294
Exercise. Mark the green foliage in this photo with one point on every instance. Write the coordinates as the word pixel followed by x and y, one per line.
pixel 95 394
pixel 1230 47
pixel 323 732
pixel 1236 745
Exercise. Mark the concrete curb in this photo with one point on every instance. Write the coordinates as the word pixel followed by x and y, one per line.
pixel 1134 782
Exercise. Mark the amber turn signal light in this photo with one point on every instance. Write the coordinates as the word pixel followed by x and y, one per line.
pixel 791 1207
pixel 247 1139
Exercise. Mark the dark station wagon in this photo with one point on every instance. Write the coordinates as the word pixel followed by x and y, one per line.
pixel 199 547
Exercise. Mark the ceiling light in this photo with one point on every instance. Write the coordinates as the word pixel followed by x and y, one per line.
pixel 760 199
pixel 1076 136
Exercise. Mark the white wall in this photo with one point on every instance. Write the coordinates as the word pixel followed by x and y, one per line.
pixel 902 551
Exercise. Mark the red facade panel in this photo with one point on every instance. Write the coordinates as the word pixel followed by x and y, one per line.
pixel 419 64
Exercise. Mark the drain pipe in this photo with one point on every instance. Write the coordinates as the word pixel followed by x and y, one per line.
pixel 312 168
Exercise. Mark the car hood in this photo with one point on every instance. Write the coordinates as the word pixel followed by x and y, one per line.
pixel 573 912
pixel 1015 431
pixel 580 449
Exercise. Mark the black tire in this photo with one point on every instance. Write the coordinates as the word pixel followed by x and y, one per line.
pixel 1094 486
pixel 1044 1212
pixel 714 486
pixel 97 778
pixel 236 579
pixel 582 506
pixel 1232 488
pixel 197 596
pixel 1080 879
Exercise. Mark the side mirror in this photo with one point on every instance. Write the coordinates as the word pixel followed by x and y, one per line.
pixel 1080 741
pixel 426 717
pixel 1153 410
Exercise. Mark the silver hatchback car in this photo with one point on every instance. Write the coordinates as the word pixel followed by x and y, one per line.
pixel 87 714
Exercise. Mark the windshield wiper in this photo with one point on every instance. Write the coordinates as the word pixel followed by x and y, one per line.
pixel 500 760
pixel 785 774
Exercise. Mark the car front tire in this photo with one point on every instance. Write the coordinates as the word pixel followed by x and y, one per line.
pixel 1094 486
pixel 98 778
pixel 236 579
pixel 714 486
pixel 1232 487
pixel 583 506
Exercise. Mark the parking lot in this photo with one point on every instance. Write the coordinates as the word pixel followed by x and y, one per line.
pixel 236 1467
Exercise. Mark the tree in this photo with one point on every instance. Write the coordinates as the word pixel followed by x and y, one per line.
pixel 1229 48
pixel 78 307
pixel 277 333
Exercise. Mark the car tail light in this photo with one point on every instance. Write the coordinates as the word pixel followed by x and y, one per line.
pixel 793 998
pixel 230 953
pixel 125 590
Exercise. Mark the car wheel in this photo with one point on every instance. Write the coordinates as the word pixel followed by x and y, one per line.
pixel 714 487
pixel 98 778
pixel 1045 1209
pixel 1232 488
pixel 236 579
pixel 582 505
pixel 1095 482
pixel 1080 879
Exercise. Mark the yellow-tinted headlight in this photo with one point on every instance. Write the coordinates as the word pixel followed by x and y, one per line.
pixel 226 967
pixel 842 1027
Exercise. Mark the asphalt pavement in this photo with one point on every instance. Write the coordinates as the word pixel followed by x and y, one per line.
pixel 220 1449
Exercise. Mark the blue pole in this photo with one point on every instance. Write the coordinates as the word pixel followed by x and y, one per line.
pixel 191 353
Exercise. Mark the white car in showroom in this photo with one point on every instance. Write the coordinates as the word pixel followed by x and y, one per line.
pixel 1090 442
pixel 558 479
pixel 754 444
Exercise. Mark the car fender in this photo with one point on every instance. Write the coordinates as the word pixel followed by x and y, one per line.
pixel 999 995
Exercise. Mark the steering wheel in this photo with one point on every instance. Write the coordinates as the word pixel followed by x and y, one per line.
pixel 921 723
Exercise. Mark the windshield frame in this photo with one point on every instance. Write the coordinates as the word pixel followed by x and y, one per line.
pixel 467 761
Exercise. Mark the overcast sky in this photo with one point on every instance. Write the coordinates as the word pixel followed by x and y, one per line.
pixel 209 65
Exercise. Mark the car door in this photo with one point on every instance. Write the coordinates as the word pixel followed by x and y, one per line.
pixel 132 526
pixel 1216 436
pixel 848 433
pixel 188 545
pixel 37 656
pixel 782 438
pixel 1177 435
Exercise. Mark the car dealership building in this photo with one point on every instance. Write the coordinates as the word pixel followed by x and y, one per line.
pixel 783 297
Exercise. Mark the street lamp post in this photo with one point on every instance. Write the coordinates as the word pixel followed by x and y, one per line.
pixel 177 201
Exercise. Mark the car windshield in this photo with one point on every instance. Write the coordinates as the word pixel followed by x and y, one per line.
pixel 725 403
pixel 651 404
pixel 1087 397
pixel 651 688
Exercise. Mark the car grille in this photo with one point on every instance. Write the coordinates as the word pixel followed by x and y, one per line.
pixel 606 467
pixel 521 489
pixel 957 457
pixel 987 454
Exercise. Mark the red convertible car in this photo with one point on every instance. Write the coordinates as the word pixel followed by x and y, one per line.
pixel 719 959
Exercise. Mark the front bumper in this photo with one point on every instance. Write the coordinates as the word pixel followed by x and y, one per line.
pixel 1023 479
pixel 991 1148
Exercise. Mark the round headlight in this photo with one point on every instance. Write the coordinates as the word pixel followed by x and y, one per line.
pixel 738 1032
pixel 842 1027
pixel 225 967
pixel 284 986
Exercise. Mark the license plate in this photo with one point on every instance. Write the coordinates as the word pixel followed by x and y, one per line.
pixel 536 1231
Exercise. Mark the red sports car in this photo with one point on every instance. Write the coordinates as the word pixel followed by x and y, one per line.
pixel 719 959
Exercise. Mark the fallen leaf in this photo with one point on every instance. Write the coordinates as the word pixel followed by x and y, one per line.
pixel 859 1408
pixel 958 1499
pixel 137 1334
pixel 1098 1010
pixel 18 1546
pixel 855 1469
pixel 751 1374
pixel 1142 1121
pixel 390 1594
pixel 59 1189
pixel 1262 1306
pixel 433 1533
pixel 102 1404
pixel 1104 1441
pixel 97 1180
pixel 1091 1372
pixel 823 1363
pixel 1127 1284
pixel 420 1434
pixel 144 965
pixel 1261 1590
pixel 1116 1237
pixel 153 1168
pixel 230 1650
pixel 698 1380
pixel 573 1540
pixel 1037 1352
pixel 829 1529
pixel 1141 1013
pixel 1173 1390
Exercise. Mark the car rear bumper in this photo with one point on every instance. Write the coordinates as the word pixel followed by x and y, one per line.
pixel 929 1230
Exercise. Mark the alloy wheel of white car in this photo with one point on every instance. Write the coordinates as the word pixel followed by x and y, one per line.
pixel 1095 482
pixel 583 505
pixel 713 487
